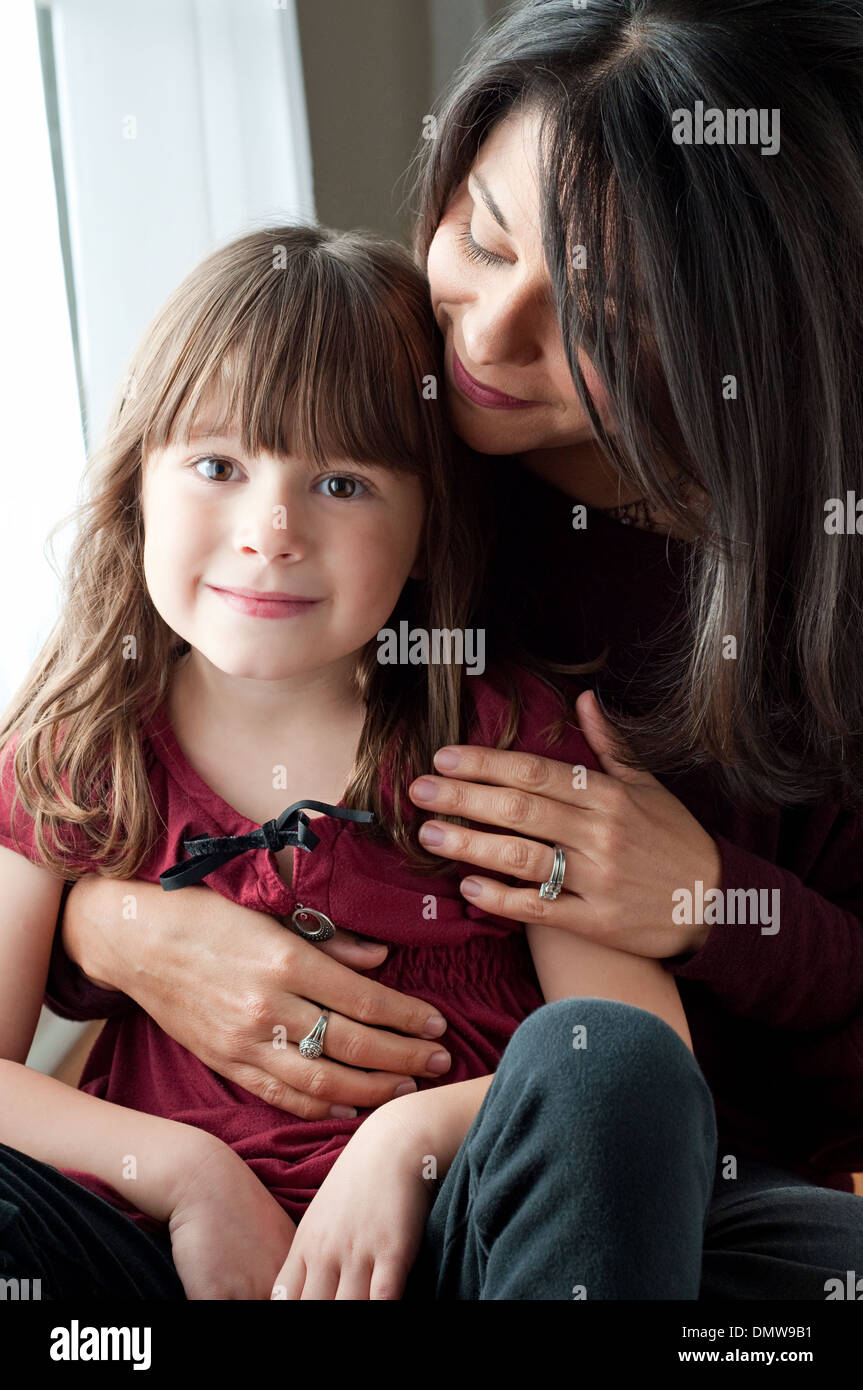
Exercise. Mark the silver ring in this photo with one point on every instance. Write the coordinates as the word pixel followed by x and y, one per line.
pixel 552 886
pixel 324 932
pixel 312 1045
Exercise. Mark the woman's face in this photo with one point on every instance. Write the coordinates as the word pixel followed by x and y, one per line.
pixel 493 301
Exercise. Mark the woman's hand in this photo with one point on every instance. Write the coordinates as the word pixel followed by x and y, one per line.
pixel 228 1233
pixel 362 1231
pixel 629 842
pixel 219 978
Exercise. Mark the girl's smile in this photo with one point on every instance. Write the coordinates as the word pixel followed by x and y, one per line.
pixel 263 604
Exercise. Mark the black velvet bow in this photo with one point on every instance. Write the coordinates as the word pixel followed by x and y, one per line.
pixel 291 828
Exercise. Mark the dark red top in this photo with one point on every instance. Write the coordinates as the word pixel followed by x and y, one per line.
pixel 776 1021
pixel 476 969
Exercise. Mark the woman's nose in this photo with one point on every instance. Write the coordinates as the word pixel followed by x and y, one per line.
pixel 503 330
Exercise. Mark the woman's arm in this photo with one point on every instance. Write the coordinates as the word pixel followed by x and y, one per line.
pixel 218 978
pixel 804 970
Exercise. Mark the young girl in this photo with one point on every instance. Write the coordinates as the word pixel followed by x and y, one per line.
pixel 278 495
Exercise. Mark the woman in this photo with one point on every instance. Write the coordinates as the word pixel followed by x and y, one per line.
pixel 658 335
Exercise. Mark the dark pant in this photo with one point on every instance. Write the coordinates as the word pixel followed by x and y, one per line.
pixel 590 1172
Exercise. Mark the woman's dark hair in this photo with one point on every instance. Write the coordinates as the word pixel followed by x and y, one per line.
pixel 706 262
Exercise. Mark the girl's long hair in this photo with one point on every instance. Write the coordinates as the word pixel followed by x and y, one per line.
pixel 707 262
pixel 317 343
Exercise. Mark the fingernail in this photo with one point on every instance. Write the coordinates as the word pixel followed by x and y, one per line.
pixel 342 1112
pixel 372 945
pixel 439 1062
pixel 432 834
pixel 424 789
pixel 447 759
pixel 405 1088
pixel 471 887
pixel 435 1026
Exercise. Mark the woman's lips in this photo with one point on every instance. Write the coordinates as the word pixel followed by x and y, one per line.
pixel 264 607
pixel 484 395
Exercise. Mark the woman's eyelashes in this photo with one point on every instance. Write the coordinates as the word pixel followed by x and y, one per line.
pixel 342 486
pixel 474 251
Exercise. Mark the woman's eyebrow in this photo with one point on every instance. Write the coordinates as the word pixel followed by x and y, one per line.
pixel 490 202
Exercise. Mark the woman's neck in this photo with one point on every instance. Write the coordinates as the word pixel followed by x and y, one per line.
pixel 584 473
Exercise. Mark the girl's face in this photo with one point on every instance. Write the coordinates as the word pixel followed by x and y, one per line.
pixel 492 298
pixel 334 546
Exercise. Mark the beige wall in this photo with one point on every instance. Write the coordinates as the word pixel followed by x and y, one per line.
pixel 371 71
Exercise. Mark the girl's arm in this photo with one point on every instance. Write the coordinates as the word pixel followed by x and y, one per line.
pixel 228 1233
pixel 45 1118
pixel 571 966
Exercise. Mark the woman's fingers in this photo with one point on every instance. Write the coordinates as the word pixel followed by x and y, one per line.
pixel 583 785
pixel 279 1078
pixel 525 904
pixel 355 951
pixel 505 854
pixel 511 808
pixel 317 976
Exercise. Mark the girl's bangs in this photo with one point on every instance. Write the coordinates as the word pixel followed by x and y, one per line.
pixel 310 364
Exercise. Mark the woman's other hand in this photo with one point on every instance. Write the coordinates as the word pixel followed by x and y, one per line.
pixel 630 843
pixel 220 978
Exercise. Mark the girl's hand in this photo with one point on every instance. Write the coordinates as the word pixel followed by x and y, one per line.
pixel 228 1234
pixel 218 978
pixel 629 842
pixel 362 1231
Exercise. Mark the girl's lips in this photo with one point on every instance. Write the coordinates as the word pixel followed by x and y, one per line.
pixel 484 395
pixel 265 608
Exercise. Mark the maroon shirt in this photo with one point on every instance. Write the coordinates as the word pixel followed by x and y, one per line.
pixel 776 1020
pixel 475 968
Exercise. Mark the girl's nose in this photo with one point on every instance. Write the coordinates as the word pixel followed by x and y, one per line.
pixel 275 530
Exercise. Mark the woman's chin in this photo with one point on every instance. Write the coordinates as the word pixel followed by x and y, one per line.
pixel 493 431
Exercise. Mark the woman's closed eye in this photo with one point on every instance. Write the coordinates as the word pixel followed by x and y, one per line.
pixel 474 251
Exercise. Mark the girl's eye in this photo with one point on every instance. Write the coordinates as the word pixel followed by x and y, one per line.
pixel 214 463
pixel 474 251
pixel 342 485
